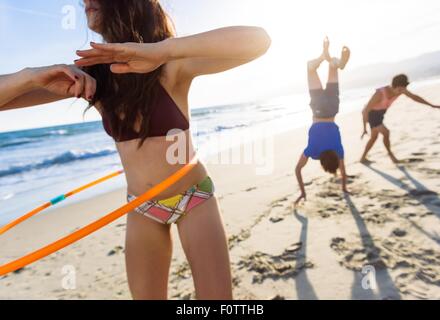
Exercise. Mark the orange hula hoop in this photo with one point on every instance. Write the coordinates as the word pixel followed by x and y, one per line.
pixel 93 227
pixel 55 201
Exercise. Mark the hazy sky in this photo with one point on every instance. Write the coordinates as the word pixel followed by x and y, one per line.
pixel 31 34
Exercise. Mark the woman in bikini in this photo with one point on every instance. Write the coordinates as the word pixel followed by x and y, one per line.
pixel 143 78
pixel 325 143
pixel 375 111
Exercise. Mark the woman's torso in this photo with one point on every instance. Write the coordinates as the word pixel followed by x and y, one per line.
pixel 147 165
pixel 387 100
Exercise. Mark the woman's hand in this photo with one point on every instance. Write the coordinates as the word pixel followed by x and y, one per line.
pixel 63 80
pixel 125 57
pixel 365 133
pixel 303 196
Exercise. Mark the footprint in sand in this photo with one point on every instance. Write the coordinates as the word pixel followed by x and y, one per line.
pixel 430 172
pixel 329 195
pixel 413 266
pixel 115 251
pixel 418 154
pixel 276 219
pixel 390 205
pixel 323 214
pixel 285 266
pixel 413 160
pixel 400 233
pixel 409 215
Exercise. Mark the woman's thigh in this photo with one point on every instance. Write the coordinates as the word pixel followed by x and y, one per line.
pixel 204 242
pixel 148 251
pixel 384 130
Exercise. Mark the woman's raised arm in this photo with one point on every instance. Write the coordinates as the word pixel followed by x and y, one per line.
pixel 205 53
pixel 35 86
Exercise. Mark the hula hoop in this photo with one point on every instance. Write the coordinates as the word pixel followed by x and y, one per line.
pixel 57 200
pixel 93 227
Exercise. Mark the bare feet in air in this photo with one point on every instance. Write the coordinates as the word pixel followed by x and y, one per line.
pixel 345 57
pixel 325 56
pixel 326 51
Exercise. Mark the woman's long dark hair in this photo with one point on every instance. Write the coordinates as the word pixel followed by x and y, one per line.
pixel 128 98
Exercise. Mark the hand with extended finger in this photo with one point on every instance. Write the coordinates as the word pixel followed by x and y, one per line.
pixel 125 57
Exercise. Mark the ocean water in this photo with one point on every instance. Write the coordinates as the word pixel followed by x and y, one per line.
pixel 37 165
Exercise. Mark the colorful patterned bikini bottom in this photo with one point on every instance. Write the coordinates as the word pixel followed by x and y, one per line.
pixel 171 210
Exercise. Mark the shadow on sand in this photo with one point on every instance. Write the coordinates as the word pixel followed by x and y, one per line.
pixel 304 288
pixel 417 193
pixel 386 288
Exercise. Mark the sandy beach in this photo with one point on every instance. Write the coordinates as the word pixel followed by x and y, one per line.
pixel 391 223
